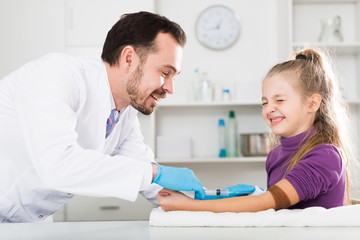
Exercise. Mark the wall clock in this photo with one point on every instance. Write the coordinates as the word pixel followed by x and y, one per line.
pixel 217 27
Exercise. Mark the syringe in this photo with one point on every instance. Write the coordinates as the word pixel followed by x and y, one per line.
pixel 217 192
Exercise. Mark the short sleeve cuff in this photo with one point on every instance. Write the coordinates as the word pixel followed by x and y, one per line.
pixel 294 183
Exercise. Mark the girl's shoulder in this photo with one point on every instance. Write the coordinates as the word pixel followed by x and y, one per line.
pixel 326 155
pixel 327 149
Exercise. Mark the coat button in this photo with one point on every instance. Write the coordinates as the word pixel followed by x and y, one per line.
pixel 69 194
pixel 41 216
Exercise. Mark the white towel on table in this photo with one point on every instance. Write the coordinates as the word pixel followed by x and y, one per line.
pixel 314 217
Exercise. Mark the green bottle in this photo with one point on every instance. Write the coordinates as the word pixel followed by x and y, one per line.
pixel 232 136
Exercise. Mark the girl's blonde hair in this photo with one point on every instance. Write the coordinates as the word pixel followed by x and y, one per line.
pixel 315 75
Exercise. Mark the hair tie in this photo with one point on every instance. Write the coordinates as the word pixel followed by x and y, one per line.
pixel 301 56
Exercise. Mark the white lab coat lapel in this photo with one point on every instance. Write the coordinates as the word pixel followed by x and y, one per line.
pixel 96 108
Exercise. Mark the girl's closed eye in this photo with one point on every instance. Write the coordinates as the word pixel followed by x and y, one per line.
pixel 165 74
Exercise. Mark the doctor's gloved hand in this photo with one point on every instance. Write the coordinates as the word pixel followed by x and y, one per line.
pixel 179 179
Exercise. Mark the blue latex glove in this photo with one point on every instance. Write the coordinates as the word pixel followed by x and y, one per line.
pixel 235 191
pixel 179 179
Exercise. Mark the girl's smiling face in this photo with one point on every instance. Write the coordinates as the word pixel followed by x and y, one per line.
pixel 285 110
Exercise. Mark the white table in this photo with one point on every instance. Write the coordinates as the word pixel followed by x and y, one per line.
pixel 140 230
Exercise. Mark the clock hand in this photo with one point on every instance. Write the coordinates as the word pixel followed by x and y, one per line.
pixel 213 28
pixel 216 27
pixel 219 24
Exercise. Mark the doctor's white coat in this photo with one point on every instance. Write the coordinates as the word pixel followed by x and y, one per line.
pixel 53 114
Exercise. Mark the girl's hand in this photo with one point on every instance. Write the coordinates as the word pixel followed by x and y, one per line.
pixel 172 200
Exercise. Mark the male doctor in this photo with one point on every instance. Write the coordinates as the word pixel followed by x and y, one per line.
pixel 69 125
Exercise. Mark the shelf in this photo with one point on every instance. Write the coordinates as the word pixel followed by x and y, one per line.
pixel 338 47
pixel 223 104
pixel 213 160
pixel 324 1
pixel 208 104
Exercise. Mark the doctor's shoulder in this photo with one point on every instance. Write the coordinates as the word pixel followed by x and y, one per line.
pixel 61 68
pixel 62 61
pixel 51 65
pixel 52 73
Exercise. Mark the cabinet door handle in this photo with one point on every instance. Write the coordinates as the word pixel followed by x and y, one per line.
pixel 109 207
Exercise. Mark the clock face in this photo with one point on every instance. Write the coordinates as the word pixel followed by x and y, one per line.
pixel 217 27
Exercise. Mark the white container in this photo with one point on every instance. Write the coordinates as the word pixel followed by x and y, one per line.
pixel 194 92
pixel 206 88
pixel 173 147
pixel 226 95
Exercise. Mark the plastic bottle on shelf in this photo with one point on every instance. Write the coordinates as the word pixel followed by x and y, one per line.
pixel 206 88
pixel 232 136
pixel 222 137
pixel 226 95
pixel 194 93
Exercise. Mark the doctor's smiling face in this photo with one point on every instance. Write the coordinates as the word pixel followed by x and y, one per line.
pixel 142 54
pixel 153 76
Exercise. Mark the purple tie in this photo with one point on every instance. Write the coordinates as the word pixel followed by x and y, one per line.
pixel 110 123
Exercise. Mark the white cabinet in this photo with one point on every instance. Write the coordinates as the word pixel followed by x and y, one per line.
pixel 88 21
pixel 82 208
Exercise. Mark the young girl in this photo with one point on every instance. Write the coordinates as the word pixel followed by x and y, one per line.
pixel 301 105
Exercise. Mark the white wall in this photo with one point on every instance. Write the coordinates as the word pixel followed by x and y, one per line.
pixel 28 30
pixel 245 62
pixel 32 28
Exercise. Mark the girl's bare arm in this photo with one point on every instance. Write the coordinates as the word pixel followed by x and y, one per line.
pixel 171 200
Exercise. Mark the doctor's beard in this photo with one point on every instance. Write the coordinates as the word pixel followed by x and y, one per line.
pixel 137 99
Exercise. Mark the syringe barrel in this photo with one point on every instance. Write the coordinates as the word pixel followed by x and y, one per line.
pixel 217 192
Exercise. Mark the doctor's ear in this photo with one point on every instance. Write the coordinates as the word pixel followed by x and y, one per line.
pixel 128 58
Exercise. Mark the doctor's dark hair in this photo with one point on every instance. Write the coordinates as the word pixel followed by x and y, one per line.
pixel 139 30
pixel 315 75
